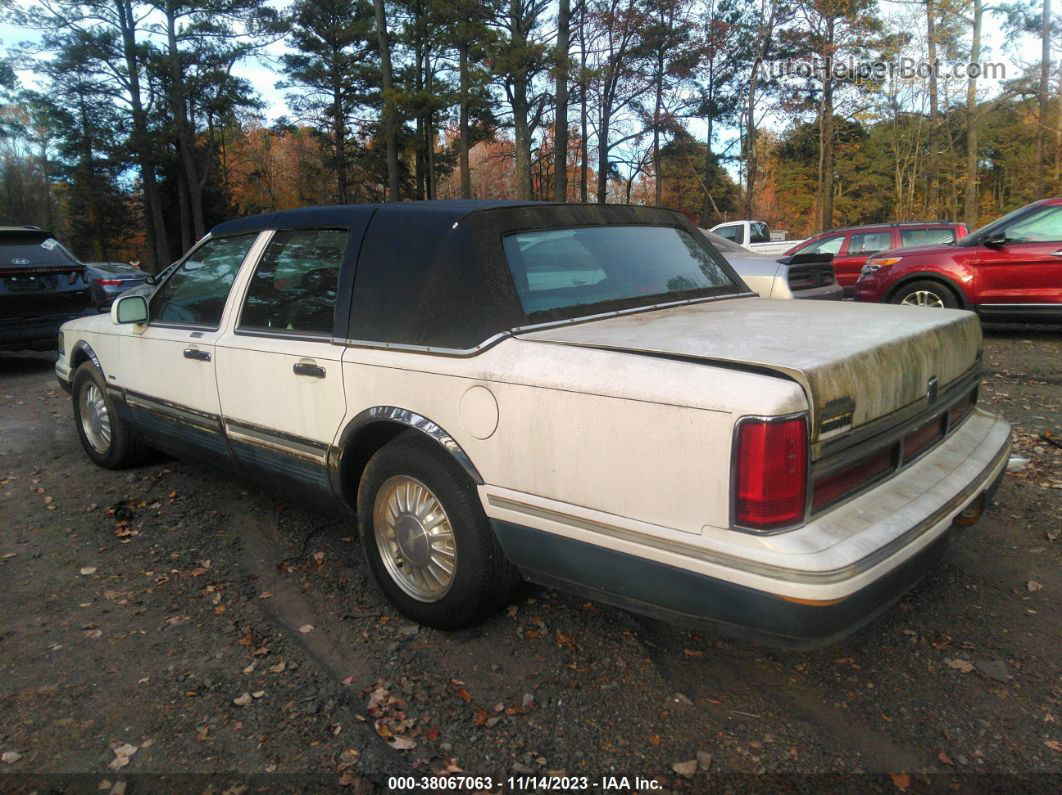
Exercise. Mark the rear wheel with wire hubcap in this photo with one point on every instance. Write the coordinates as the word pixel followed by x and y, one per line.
pixel 427 541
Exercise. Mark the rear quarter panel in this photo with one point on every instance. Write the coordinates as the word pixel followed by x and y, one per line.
pixel 631 436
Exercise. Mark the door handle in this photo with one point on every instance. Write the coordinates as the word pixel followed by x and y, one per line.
pixel 304 368
pixel 195 353
pixel 1057 253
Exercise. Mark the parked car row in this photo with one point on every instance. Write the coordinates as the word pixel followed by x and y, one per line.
pixel 587 397
pixel 42 285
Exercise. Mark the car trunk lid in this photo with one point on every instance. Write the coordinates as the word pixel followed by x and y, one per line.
pixel 856 363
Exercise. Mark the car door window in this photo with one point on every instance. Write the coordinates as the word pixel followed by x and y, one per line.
pixel 1043 226
pixel 196 292
pixel 926 237
pixel 293 289
pixel 869 243
pixel 828 245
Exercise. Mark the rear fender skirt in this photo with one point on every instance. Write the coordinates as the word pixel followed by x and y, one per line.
pixel 933 276
pixel 400 416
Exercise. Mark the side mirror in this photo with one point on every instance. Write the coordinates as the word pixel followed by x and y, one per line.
pixel 129 309
pixel 995 240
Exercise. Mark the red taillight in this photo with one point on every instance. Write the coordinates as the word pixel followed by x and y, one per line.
pixel 958 412
pixel 831 488
pixel 918 441
pixel 771 473
pixel 109 282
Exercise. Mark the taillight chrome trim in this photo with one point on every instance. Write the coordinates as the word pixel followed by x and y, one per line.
pixel 735 434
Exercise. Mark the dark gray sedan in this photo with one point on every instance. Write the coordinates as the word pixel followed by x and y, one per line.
pixel 111 279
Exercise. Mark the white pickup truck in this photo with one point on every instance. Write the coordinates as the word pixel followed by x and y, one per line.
pixel 753 235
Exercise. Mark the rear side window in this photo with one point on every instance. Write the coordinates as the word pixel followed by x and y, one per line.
pixel 759 232
pixel 294 286
pixel 828 245
pixel 869 242
pixel 735 233
pixel 195 294
pixel 30 249
pixel 926 237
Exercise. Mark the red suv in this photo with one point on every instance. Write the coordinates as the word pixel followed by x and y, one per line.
pixel 1010 269
pixel 851 246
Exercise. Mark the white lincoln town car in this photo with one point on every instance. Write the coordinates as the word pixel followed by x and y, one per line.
pixel 584 396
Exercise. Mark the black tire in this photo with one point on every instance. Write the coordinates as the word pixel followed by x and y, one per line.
pixel 933 293
pixel 121 449
pixel 482 578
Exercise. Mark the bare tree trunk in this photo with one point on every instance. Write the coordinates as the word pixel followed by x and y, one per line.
pixel 708 200
pixel 970 204
pixel 339 133
pixel 518 100
pixel 185 135
pixel 462 145
pixel 560 146
pixel 602 160
pixel 584 147
pixel 658 100
pixel 827 131
pixel 389 115
pixel 932 180
pixel 157 239
pixel 1045 75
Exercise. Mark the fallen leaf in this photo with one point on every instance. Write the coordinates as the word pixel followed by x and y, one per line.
pixel 306 628
pixel 402 744
pixel 265 595
pixel 278 668
pixel 464 695
pixel 10 757
pixel 654 739
pixel 243 700
pixel 900 780
pixel 258 694
pixel 87 570
pixel 945 759
pixel 693 653
pixel 118 762
pixel 92 634
pixel 960 665
pixel 481 717
pixel 201 735
pixel 431 735
pixel 8 555
pixel 1033 585
pixel 1054 745
pixel 685 769
pixel 318 559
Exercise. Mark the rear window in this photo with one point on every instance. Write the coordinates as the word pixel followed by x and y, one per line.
pixel 563 273
pixel 926 237
pixel 114 267
pixel 759 232
pixel 29 249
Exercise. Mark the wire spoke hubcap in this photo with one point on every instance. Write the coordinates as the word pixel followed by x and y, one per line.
pixel 923 298
pixel 415 538
pixel 95 419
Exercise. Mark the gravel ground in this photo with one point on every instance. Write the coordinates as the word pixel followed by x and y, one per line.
pixel 172 629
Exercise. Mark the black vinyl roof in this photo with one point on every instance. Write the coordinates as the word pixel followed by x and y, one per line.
pixel 357 214
pixel 434 274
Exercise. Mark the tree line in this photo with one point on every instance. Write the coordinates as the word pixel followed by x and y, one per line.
pixel 137 134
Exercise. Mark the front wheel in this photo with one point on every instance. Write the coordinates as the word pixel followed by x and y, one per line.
pixel 926 293
pixel 108 439
pixel 428 543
